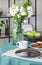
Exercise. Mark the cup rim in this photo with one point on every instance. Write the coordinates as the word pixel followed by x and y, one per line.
pixel 23 41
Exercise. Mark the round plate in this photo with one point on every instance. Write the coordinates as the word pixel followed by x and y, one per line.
pixel 35 47
pixel 27 53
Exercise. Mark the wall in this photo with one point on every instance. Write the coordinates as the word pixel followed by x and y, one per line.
pixel 4 6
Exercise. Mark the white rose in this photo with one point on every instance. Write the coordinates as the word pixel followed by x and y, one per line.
pixel 17 9
pixel 22 11
pixel 29 10
pixel 30 13
pixel 14 10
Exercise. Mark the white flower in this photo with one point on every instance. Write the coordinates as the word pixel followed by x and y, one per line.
pixel 22 11
pixel 30 13
pixel 17 9
pixel 21 8
pixel 29 10
pixel 14 10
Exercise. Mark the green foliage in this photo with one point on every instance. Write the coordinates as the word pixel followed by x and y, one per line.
pixel 2 23
pixel 19 20
pixel 15 17
pixel 28 3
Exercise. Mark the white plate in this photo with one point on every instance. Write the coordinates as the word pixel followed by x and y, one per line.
pixel 35 47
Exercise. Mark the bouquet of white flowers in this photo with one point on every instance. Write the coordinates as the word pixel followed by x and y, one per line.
pixel 20 13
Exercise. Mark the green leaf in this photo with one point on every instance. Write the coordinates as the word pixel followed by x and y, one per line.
pixel 15 17
pixel 1 25
pixel 28 3
pixel 25 4
pixel 2 22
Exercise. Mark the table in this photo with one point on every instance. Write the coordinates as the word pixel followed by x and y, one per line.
pixel 6 60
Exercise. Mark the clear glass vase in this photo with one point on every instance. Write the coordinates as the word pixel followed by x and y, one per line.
pixel 17 32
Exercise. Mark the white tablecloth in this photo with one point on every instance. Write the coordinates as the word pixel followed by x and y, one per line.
pixel 11 53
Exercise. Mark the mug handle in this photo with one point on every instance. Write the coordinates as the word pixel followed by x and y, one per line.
pixel 17 44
